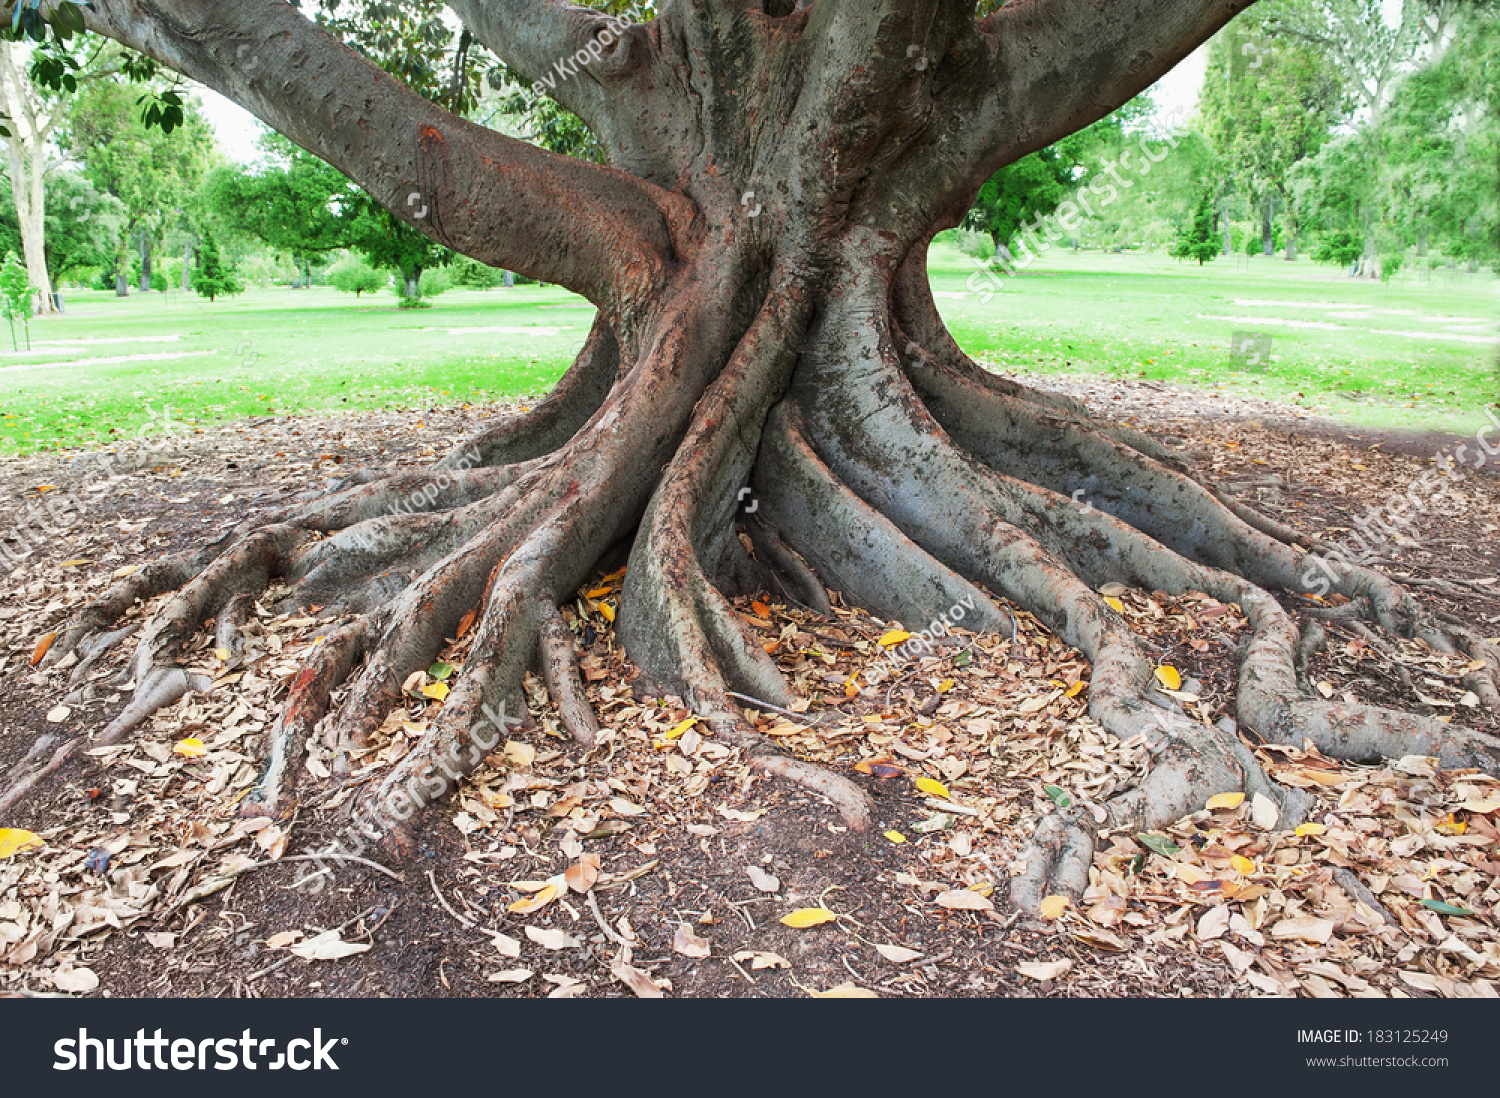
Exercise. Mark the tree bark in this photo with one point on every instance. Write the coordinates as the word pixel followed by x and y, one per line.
pixel 765 327
pixel 30 127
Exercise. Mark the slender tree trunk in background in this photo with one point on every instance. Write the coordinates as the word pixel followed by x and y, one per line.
pixel 187 262
pixel 145 262
pixel 757 251
pixel 30 127
pixel 510 279
pixel 1228 231
pixel 1268 227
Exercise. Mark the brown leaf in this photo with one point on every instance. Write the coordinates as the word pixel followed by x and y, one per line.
pixel 41 648
pixel 687 943
pixel 636 980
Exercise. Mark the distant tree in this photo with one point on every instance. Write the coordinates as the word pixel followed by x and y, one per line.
pixel 354 276
pixel 153 173
pixel 1199 238
pixel 474 275
pixel 1267 104
pixel 16 293
pixel 214 278
pixel 390 244
pixel 296 203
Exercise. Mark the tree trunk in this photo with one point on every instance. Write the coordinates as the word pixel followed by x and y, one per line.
pixel 1268 228
pixel 145 262
pixel 122 281
pixel 187 262
pixel 758 256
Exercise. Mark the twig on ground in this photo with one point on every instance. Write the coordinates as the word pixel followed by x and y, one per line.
pixel 466 921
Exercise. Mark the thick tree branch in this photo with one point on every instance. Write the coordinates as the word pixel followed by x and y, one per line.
pixel 1051 67
pixel 545 41
pixel 593 230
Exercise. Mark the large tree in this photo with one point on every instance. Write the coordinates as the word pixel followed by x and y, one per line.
pixel 757 252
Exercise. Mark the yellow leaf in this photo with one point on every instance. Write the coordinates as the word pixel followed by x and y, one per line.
pixel 15 839
pixel 1242 865
pixel 535 902
pixel 1053 906
pixel 191 748
pixel 945 686
pixel 598 592
pixel 614 577
pixel 1225 800
pixel 934 788
pixel 805 917
pixel 435 690
pixel 894 637
pixel 1303 830
pixel 1076 689
pixel 222 653
pixel 46 487
pixel 1168 676
pixel 1114 604
pixel 680 729
pixel 607 610
pixel 73 563
pixel 851 688
pixel 895 836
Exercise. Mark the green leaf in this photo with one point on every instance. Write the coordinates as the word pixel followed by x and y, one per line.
pixel 1158 843
pixel 963 659
pixel 1446 909
pixel 440 670
pixel 1059 795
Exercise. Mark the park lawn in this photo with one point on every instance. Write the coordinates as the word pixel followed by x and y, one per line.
pixel 1419 352
pixel 1412 353
pixel 110 365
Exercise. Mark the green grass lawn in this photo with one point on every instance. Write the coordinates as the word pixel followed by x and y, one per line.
pixel 110 364
pixel 1420 351
pixel 1412 353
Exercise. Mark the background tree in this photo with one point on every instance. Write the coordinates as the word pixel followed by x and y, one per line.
pixel 295 203
pixel 1268 104
pixel 153 173
pixel 37 83
pixel 757 251
pixel 214 278
pixel 354 276
pixel 1199 236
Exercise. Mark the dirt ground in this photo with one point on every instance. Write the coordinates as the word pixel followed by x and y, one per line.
pixel 659 863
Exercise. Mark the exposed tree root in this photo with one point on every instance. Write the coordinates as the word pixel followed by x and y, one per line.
pixel 559 669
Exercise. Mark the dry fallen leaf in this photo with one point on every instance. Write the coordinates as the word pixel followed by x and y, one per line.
pixel 846 990
pixel 1263 812
pixel 191 748
pixel 895 836
pixel 1224 800
pixel 636 980
pixel 963 899
pixel 283 939
pixel 933 788
pixel 41 648
pixel 687 943
pixel 805 917
pixel 1169 677
pixel 536 902
pixel 1052 907
pixel 510 976
pixel 582 874
pixel 761 879
pixel 893 638
pixel 328 946
pixel 552 939
pixel 76 980
pixel 762 960
pixel 898 955
pixel 1044 970
pixel 504 944
pixel 57 714
pixel 1304 929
